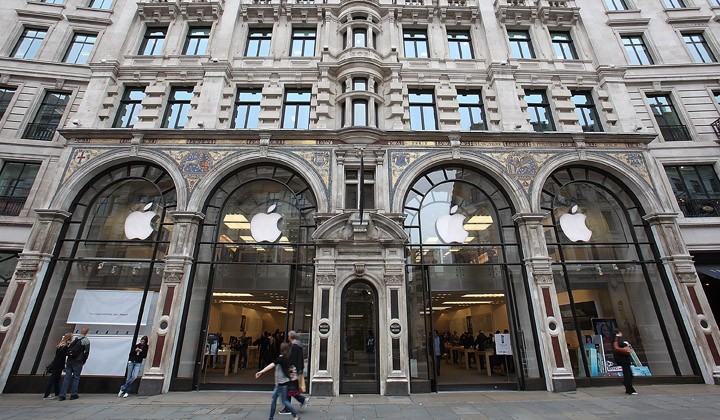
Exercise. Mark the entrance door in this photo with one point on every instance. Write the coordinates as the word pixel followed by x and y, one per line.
pixel 359 356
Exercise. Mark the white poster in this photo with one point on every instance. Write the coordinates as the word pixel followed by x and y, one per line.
pixel 108 355
pixel 108 307
pixel 502 344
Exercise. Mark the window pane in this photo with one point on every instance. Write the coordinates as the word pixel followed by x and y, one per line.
pixel 29 43
pixel 80 49
pixel 6 95
pixel 130 107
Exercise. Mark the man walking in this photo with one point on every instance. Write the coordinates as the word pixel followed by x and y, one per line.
pixel 297 360
pixel 77 354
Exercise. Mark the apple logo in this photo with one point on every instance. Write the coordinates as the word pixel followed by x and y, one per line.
pixel 138 223
pixel 573 225
pixel 450 227
pixel 264 226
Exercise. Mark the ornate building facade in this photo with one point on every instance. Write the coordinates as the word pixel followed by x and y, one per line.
pixel 365 173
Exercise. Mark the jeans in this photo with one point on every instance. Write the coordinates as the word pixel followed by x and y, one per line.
pixel 281 391
pixel 133 371
pixel 242 358
pixel 53 383
pixel 72 373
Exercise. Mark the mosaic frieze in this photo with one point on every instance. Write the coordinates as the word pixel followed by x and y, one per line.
pixel 194 164
pixel 320 161
pixel 80 157
pixel 400 160
pixel 635 161
pixel 521 166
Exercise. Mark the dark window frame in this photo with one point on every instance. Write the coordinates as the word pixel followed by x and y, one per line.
pixel 352 190
pixel 466 108
pixel 177 107
pixel 35 42
pixel 249 105
pixel 297 106
pixel 672 127
pixel 616 5
pixel 197 43
pixel 637 50
pixel 463 43
pixel 414 38
pixel 422 107
pixel 302 37
pixel 674 4
pixel 586 111
pixel 153 40
pixel 13 195
pixel 128 103
pixel 101 4
pixel 48 116
pixel 7 93
pixel 564 48
pixel 83 44
pixel 693 203
pixel 521 44
pixel 699 48
pixel 258 40
pixel 534 111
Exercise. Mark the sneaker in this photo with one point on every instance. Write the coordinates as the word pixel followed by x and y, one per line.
pixel 49 397
pixel 120 393
pixel 284 411
pixel 633 393
pixel 125 395
pixel 305 403
pixel 74 397
pixel 61 398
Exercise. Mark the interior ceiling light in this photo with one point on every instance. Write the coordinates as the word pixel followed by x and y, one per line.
pixel 227 294
pixel 356 316
pixel 247 238
pixel 484 295
pixel 277 308
pixel 236 221
pixel 440 308
pixel 478 223
pixel 466 302
pixel 247 302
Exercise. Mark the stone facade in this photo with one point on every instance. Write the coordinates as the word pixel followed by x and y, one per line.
pixel 632 145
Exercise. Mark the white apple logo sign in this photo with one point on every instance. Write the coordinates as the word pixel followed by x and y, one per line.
pixel 573 225
pixel 450 227
pixel 138 223
pixel 264 226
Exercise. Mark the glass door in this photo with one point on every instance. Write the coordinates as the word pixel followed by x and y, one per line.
pixel 359 355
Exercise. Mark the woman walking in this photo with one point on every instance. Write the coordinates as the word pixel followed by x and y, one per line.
pixel 135 363
pixel 282 379
pixel 622 350
pixel 57 366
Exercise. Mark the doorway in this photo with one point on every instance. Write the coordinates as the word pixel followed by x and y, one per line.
pixel 359 370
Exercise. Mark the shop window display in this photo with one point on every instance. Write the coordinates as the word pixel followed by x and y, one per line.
pixel 607 278
pixel 108 271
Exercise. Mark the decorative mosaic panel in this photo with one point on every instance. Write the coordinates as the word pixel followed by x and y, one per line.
pixel 195 163
pixel 635 161
pixel 319 159
pixel 521 166
pixel 401 160
pixel 79 158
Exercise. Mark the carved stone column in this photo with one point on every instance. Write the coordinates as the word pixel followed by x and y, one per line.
pixel 168 314
pixel 31 269
pixel 551 335
pixel 693 303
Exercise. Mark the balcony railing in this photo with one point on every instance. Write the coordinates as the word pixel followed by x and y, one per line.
pixel 37 131
pixel 708 207
pixel 716 127
pixel 675 132
pixel 11 206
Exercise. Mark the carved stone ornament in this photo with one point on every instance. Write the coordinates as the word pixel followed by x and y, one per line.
pixel 543 278
pixel 686 277
pixel 394 279
pixel 326 279
pixel 26 275
pixel 173 276
pixel 359 269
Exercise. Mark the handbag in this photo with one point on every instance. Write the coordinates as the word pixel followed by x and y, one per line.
pixel 301 383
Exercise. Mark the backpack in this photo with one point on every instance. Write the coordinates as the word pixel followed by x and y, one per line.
pixel 75 350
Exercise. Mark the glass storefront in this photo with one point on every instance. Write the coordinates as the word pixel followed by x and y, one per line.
pixel 107 270
pixel 607 277
pixel 465 281
pixel 252 281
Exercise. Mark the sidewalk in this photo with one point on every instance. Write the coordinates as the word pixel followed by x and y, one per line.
pixel 660 402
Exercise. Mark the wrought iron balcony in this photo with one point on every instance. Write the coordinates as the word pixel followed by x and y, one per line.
pixel 675 132
pixel 709 207
pixel 38 131
pixel 11 206
pixel 716 127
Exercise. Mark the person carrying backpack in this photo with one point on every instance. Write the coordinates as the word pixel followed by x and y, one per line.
pixel 77 354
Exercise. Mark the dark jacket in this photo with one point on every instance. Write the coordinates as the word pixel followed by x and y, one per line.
pixel 621 359
pixel 296 357
pixel 58 363
pixel 85 342
pixel 136 357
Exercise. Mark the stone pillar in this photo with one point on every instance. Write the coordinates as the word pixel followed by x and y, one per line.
pixel 23 288
pixel 551 335
pixel 691 298
pixel 168 315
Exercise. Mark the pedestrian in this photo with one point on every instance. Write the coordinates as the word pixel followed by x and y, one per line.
pixel 77 354
pixel 134 366
pixel 438 349
pixel 298 361
pixel 282 380
pixel 56 367
pixel 242 347
pixel 622 350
